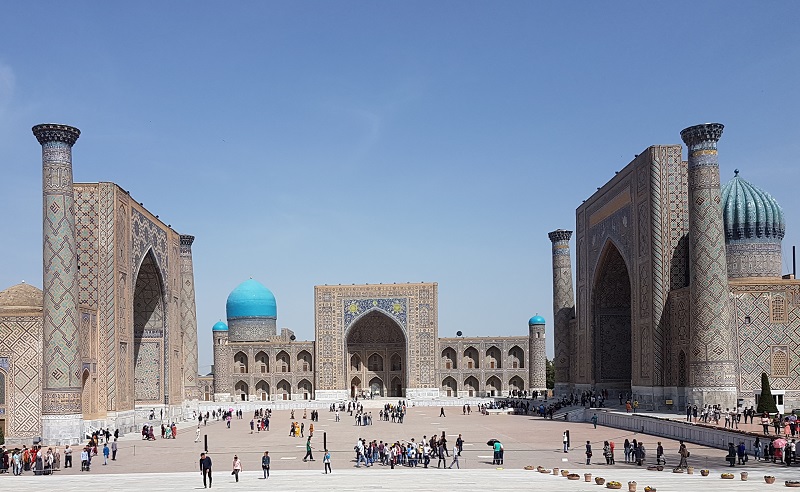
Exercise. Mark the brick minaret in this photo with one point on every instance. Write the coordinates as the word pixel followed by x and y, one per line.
pixel 537 355
pixel 62 417
pixel 563 307
pixel 188 320
pixel 712 365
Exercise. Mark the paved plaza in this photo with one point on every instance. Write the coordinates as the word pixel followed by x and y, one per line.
pixel 171 464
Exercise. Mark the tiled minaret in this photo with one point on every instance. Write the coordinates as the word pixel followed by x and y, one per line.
pixel 712 365
pixel 537 355
pixel 62 418
pixel 563 306
pixel 188 320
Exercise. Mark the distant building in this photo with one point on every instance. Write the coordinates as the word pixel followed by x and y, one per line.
pixel 379 340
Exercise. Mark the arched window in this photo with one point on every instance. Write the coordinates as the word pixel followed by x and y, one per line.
pixel 517 357
pixel 375 363
pixel 242 390
pixel 355 363
pixel 262 362
pixel 397 362
pixel 471 358
pixel 494 358
pixel 262 391
pixel 240 363
pixel 304 361
pixel 780 361
pixel 283 362
pixel 449 358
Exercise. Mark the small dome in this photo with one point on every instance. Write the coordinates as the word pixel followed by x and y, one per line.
pixel 750 213
pixel 219 326
pixel 251 300
pixel 536 320
pixel 21 296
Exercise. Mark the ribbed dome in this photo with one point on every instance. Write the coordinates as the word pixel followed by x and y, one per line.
pixel 219 326
pixel 536 320
pixel 251 300
pixel 21 296
pixel 750 213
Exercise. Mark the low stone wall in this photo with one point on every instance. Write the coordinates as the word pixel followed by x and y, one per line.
pixel 672 429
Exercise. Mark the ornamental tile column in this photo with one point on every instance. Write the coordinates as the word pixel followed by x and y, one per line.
pixel 537 354
pixel 563 307
pixel 188 320
pixel 712 365
pixel 62 418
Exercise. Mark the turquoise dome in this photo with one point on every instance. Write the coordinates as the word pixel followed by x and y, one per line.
pixel 251 300
pixel 219 326
pixel 750 213
pixel 536 320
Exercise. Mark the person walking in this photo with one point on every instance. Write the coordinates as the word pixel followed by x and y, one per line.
pixel 594 420
pixel 237 467
pixel 308 455
pixel 197 434
pixel 326 460
pixel 684 454
pixel 106 453
pixel 454 462
pixel 588 453
pixel 459 444
pixel 205 469
pixel 441 412
pixel 114 450
pixel 565 441
pixel 265 464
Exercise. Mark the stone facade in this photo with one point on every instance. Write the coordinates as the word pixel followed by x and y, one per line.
pixel 111 336
pixel 657 313
pixel 380 340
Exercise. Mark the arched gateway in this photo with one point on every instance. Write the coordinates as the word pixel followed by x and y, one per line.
pixel 376 339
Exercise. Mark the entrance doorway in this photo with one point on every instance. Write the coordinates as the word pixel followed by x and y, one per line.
pixel 148 333
pixel 378 340
pixel 612 322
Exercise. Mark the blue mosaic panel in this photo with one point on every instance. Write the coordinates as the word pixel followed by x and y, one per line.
pixel 395 307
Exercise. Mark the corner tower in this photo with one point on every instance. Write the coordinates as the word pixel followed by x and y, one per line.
pixel 537 368
pixel 62 417
pixel 563 307
pixel 712 365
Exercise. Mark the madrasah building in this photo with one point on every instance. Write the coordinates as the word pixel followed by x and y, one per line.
pixel 679 294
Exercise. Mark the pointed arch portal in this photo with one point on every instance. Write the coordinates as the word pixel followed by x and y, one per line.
pixel 376 338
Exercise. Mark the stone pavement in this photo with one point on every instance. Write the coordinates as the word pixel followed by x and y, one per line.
pixel 490 479
pixel 170 464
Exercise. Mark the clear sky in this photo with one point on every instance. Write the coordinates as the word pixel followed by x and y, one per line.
pixel 307 143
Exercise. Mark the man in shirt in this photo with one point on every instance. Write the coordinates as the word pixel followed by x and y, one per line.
pixel 114 450
pixel 205 469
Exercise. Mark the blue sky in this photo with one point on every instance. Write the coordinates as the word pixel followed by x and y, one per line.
pixel 307 143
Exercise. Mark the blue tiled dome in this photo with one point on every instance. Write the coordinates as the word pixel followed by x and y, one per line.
pixel 219 326
pixel 536 320
pixel 750 213
pixel 251 300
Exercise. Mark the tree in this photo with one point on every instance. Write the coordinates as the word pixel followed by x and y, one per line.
pixel 766 403
pixel 550 374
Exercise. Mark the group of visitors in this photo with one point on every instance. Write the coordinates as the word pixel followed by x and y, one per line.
pixel 409 453
pixel 36 459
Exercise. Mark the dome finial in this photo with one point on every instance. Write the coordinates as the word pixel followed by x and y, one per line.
pixel 735 173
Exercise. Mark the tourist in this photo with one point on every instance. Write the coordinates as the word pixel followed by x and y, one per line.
pixel 594 420
pixel 607 452
pixel 757 448
pixel 106 453
pixel 308 455
pixel 660 454
pixel 237 467
pixel 205 469
pixel 627 451
pixel 765 423
pixel 441 412
pixel 683 452
pixel 741 453
pixel 454 462
pixel 67 457
pixel 565 441
pixel 85 459
pixel 731 457
pixel 326 460
pixel 588 453
pixel 265 464
pixel 459 444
